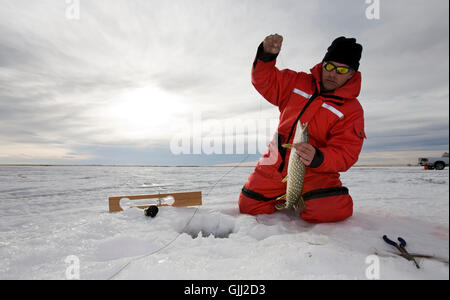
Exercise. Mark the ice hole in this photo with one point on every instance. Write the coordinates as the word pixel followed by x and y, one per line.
pixel 202 233
pixel 205 225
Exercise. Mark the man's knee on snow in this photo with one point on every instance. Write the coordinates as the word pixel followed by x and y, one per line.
pixel 328 209
pixel 255 207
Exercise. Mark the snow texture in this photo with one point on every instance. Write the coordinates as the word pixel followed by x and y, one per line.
pixel 51 213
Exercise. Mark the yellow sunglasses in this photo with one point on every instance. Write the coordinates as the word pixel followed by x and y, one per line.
pixel 340 70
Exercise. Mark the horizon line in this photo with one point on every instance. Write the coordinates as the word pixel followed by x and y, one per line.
pixel 187 166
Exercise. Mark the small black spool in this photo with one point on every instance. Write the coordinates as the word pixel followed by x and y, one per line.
pixel 151 211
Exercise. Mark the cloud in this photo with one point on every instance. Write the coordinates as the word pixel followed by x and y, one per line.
pixel 60 78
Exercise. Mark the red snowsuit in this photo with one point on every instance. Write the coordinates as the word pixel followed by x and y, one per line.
pixel 336 130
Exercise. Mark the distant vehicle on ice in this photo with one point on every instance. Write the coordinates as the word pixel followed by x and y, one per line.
pixel 431 163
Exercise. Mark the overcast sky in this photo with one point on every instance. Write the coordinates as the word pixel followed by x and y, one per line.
pixel 115 82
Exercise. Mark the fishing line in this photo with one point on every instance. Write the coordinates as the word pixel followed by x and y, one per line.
pixel 184 228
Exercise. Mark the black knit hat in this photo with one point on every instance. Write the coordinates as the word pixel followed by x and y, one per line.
pixel 345 51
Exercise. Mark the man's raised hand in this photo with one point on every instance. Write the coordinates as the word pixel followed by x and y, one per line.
pixel 272 43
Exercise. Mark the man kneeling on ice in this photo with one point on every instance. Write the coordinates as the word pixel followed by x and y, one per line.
pixel 324 103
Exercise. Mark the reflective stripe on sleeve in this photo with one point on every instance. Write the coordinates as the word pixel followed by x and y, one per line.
pixel 302 93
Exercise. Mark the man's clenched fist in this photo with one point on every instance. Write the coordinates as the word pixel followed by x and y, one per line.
pixel 272 43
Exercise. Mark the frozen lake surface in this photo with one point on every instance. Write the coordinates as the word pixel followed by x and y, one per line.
pixel 51 213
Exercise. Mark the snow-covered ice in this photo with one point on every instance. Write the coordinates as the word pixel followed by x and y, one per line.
pixel 50 213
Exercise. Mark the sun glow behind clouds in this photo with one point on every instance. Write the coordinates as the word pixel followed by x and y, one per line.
pixel 145 113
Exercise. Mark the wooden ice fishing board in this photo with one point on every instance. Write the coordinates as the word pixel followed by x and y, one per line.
pixel 180 200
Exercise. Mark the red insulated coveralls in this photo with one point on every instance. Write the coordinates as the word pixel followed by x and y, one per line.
pixel 336 130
